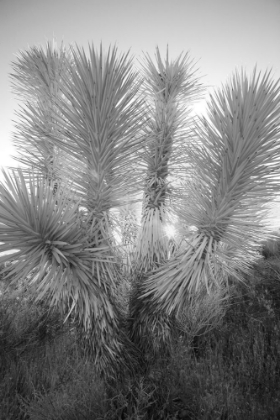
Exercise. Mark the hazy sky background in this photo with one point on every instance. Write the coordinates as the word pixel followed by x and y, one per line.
pixel 220 35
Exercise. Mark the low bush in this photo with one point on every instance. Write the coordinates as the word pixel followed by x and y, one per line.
pixel 271 248
pixel 231 371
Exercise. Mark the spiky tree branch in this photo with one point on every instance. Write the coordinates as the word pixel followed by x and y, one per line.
pixel 237 166
pixel 35 80
pixel 171 88
pixel 97 127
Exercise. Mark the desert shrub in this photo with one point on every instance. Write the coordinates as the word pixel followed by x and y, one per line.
pixel 80 395
pixel 203 312
pixel 271 247
pixel 234 375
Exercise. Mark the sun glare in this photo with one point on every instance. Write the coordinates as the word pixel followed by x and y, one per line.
pixel 118 236
pixel 170 231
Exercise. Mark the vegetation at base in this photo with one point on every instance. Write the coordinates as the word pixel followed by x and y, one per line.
pixel 231 371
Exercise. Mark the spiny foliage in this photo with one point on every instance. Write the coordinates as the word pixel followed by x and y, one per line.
pixel 170 88
pixel 36 79
pixel 236 163
pixel 60 262
pixel 93 134
pixel 97 129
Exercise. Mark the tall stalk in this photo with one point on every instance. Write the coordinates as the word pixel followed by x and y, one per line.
pixel 170 88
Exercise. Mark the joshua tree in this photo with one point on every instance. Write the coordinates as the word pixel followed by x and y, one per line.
pixel 110 140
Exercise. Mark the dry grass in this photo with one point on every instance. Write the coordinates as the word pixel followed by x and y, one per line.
pixel 232 373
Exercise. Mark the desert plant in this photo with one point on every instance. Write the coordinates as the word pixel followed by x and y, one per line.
pixel 236 163
pixel 271 247
pixel 35 81
pixel 116 143
pixel 203 312
pixel 170 88
pixel 101 123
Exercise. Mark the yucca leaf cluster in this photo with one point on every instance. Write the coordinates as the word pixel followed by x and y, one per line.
pixel 236 162
pixel 170 88
pixel 97 138
pixel 96 135
pixel 36 79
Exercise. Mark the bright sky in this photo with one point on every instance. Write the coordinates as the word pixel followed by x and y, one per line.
pixel 220 35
